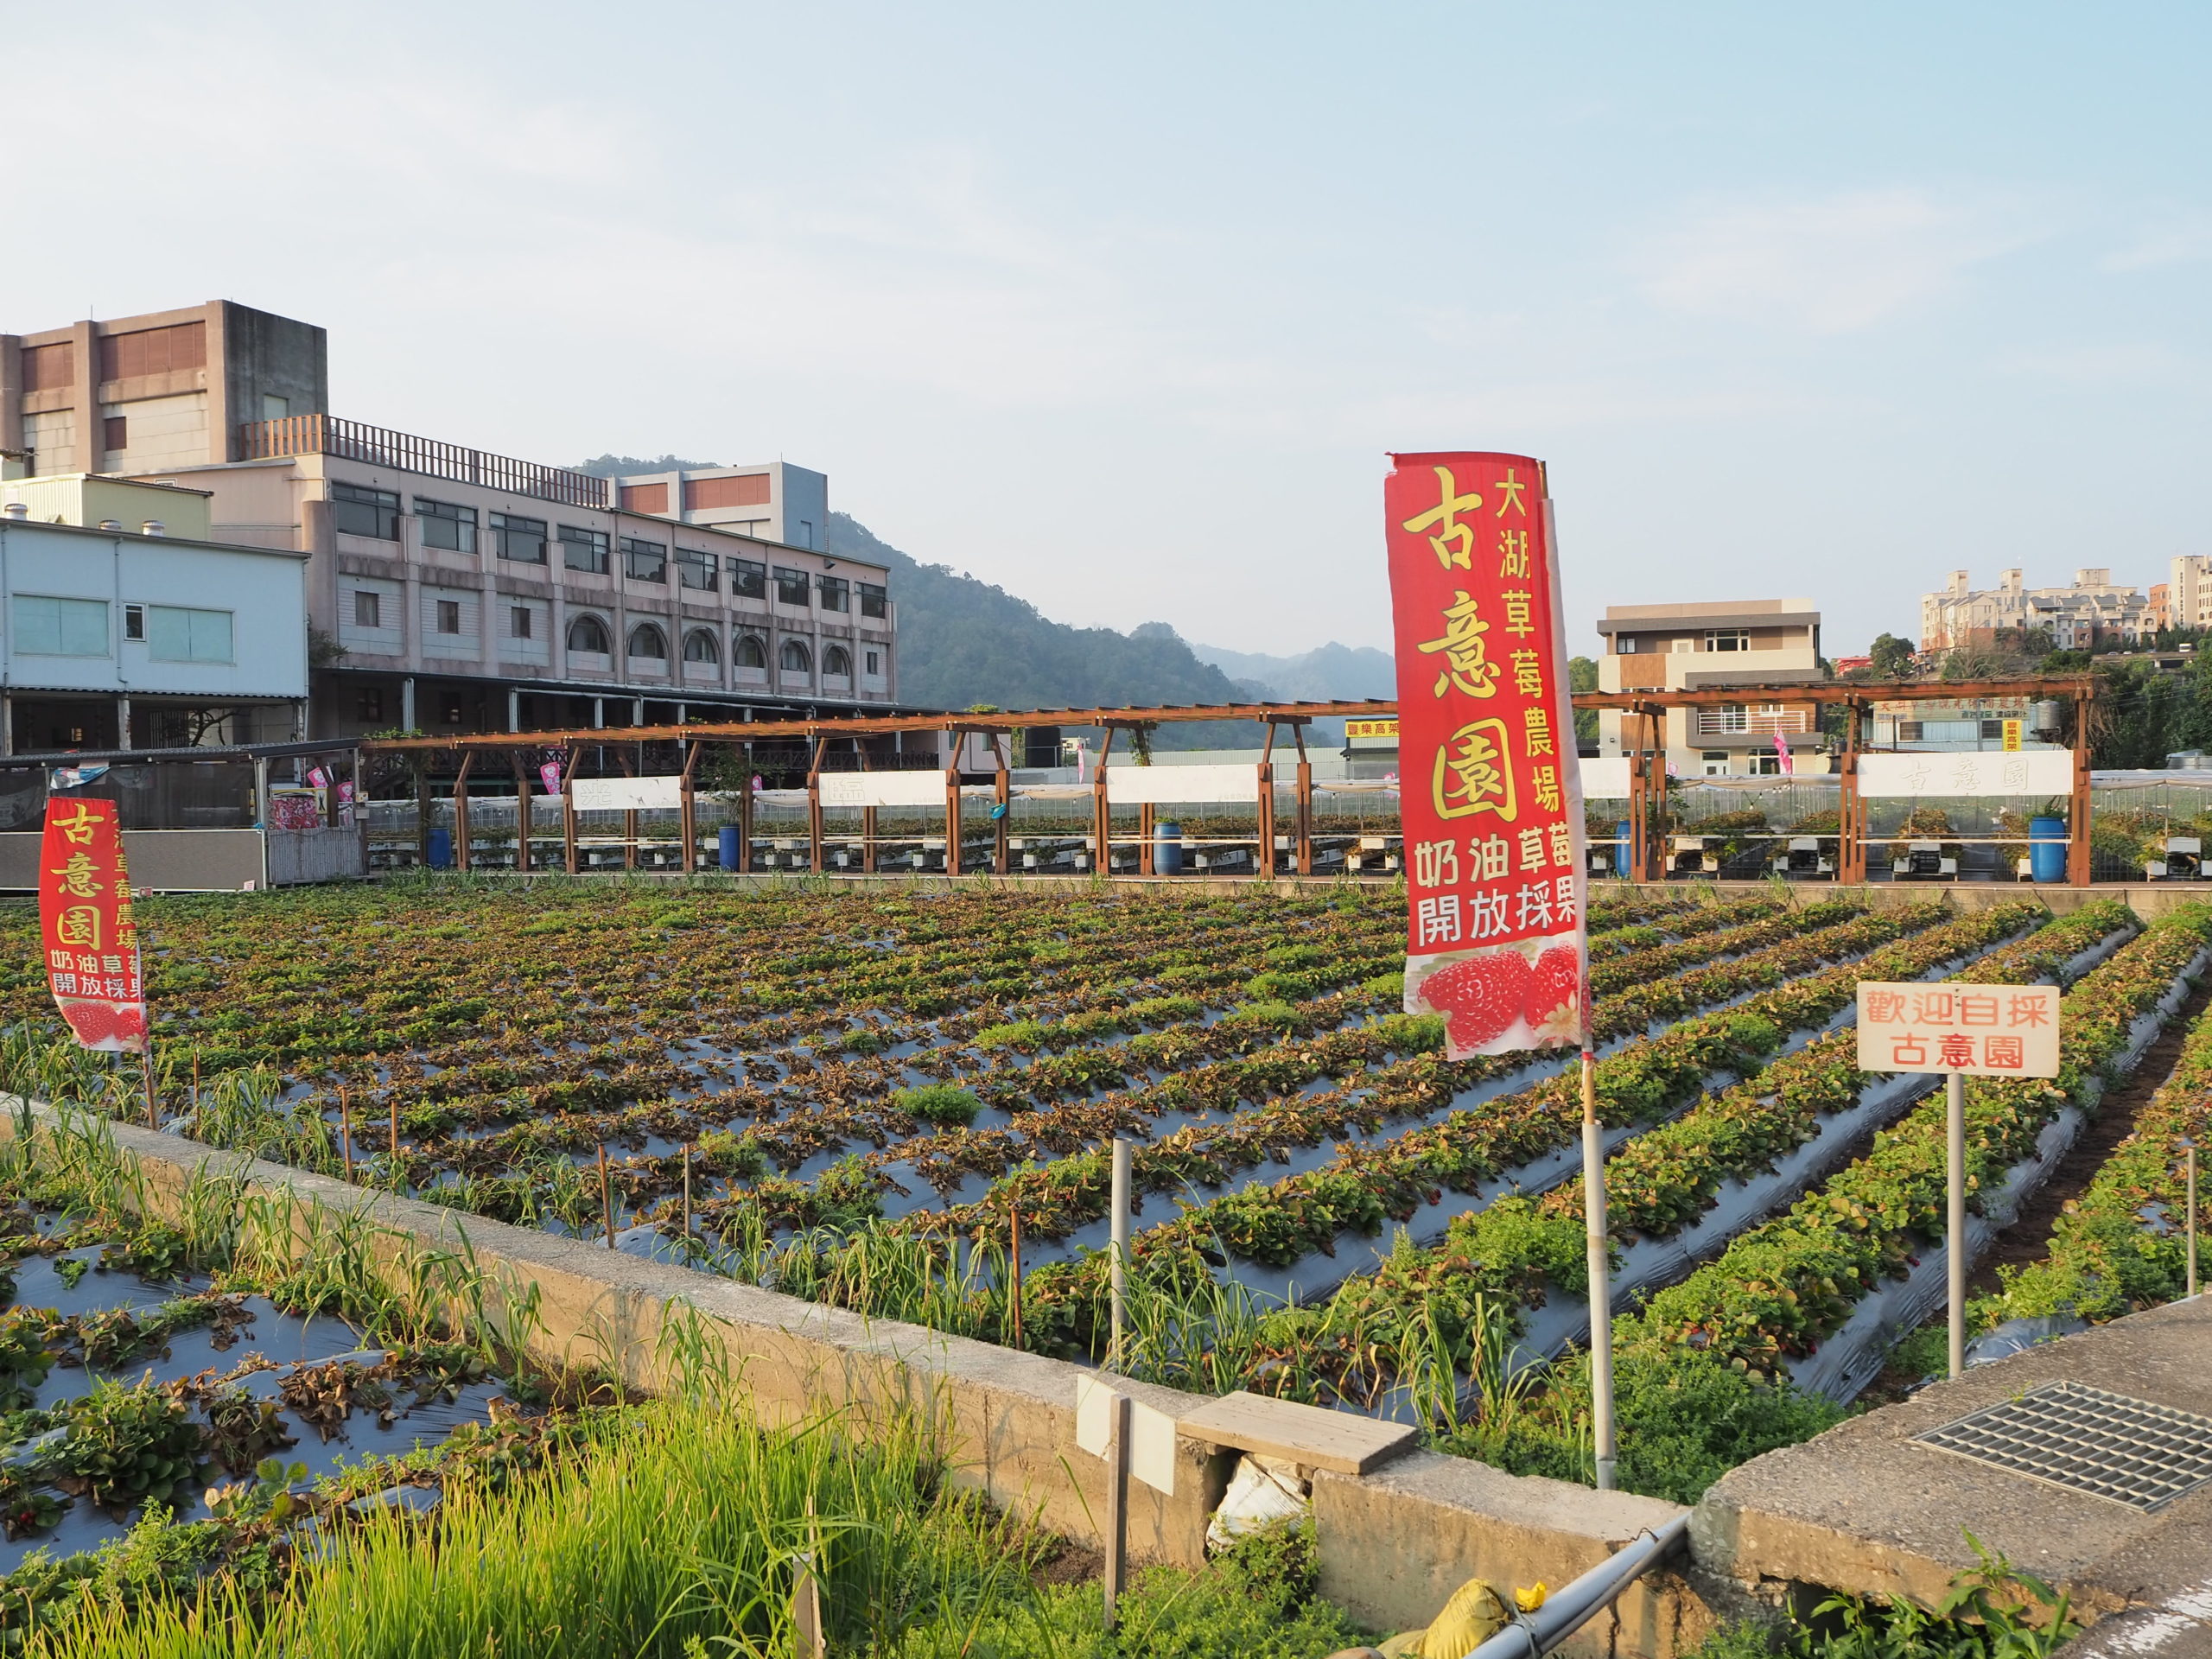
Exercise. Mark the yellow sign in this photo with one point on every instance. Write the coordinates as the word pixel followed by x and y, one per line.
pixel 2011 735
pixel 1371 729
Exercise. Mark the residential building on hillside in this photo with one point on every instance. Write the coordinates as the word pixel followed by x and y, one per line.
pixel 2093 611
pixel 137 638
pixel 1723 643
pixel 452 589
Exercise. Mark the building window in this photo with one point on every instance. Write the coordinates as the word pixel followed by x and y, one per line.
pixel 518 624
pixel 134 621
pixel 587 634
pixel 1625 645
pixel 50 368
pixel 369 705
pixel 359 511
pixel 790 586
pixel 61 627
pixel 795 657
pixel 584 549
pixel 176 634
pixel 837 661
pixel 1909 731
pixel 696 569
pixel 874 600
pixel 274 407
pixel 836 594
pixel 449 616
pixel 1727 639
pixel 518 538
pixel 116 432
pixel 700 646
pixel 1993 729
pixel 751 653
pixel 368 609
pixel 748 579
pixel 875 662
pixel 154 351
pixel 649 642
pixel 447 526
pixel 645 561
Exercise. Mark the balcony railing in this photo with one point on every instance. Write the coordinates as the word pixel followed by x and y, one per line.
pixel 1739 720
pixel 326 434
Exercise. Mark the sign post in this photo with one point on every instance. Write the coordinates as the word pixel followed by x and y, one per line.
pixel 1957 1031
pixel 1491 797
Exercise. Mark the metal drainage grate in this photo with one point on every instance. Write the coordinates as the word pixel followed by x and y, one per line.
pixel 2131 1450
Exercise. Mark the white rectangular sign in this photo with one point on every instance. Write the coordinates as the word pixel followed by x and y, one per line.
pixel 1983 1030
pixel 1151 1432
pixel 1604 779
pixel 626 794
pixel 1991 771
pixel 882 788
pixel 1139 786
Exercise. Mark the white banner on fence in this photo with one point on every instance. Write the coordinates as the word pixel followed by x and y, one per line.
pixel 1139 786
pixel 1605 779
pixel 627 794
pixel 1990 772
pixel 882 788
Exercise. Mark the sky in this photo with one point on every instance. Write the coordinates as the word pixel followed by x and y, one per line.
pixel 1123 307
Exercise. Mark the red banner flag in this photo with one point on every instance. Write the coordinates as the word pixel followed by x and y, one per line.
pixel 84 911
pixel 1491 797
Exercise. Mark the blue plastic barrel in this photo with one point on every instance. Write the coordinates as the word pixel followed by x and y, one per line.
pixel 732 856
pixel 1167 849
pixel 1621 859
pixel 440 849
pixel 2047 849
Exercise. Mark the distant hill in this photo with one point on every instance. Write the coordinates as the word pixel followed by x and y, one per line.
pixel 627 466
pixel 1330 670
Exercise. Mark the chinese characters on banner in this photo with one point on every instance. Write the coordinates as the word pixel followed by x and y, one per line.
pixel 1492 803
pixel 1988 1031
pixel 84 911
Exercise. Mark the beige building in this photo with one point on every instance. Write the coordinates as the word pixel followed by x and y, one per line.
pixel 451 589
pixel 2093 611
pixel 1723 643
pixel 2189 592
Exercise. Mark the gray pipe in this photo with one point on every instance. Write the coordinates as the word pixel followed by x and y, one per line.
pixel 1570 1609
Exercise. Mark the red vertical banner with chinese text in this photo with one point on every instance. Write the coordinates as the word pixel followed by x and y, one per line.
pixel 1491 797
pixel 91 941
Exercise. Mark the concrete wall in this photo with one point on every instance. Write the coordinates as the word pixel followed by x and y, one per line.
pixel 1394 1543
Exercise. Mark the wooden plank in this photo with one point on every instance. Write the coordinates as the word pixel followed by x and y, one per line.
pixel 1335 1441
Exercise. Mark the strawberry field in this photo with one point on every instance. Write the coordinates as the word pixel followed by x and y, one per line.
pixel 903 1104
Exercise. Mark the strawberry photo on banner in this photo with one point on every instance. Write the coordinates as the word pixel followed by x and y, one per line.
pixel 1492 798
pixel 91 938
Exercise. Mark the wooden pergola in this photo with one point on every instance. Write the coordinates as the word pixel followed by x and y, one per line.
pixel 1644 746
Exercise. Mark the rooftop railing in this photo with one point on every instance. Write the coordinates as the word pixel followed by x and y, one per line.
pixel 327 434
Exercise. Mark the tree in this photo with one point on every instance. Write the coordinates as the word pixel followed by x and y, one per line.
pixel 1891 657
pixel 1582 675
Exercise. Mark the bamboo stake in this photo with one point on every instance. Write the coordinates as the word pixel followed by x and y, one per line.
pixel 195 1080
pixel 153 1104
pixel 1014 1292
pixel 395 1129
pixel 606 1196
pixel 345 1131
pixel 687 1191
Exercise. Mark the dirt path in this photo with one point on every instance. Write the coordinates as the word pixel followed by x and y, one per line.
pixel 2028 1239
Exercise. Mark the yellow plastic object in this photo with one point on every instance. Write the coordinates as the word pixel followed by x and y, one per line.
pixel 1531 1598
pixel 1475 1613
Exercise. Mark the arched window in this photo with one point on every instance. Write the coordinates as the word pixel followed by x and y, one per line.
pixel 699 646
pixel 587 634
pixel 751 653
pixel 795 657
pixel 835 659
pixel 646 640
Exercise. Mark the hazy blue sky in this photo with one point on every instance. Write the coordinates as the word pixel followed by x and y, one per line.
pixel 1121 308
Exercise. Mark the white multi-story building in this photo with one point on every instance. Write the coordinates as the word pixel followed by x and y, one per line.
pixel 2093 611
pixel 1729 642
pixel 453 590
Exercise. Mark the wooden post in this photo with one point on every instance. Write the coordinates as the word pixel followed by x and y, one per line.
pixel 952 808
pixel 422 812
pixel 574 758
pixel 395 1129
pixel 2077 819
pixel 345 1131
pixel 521 766
pixel 1002 796
pixel 1102 811
pixel 630 769
pixel 1118 1501
pixel 814 809
pixel 1304 804
pixel 153 1102
pixel 1263 855
pixel 687 808
pixel 745 816
pixel 461 854
pixel 1148 820
pixel 1013 1269
pixel 1851 809
pixel 686 1192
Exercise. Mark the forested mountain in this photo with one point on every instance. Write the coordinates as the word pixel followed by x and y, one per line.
pixel 1330 671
